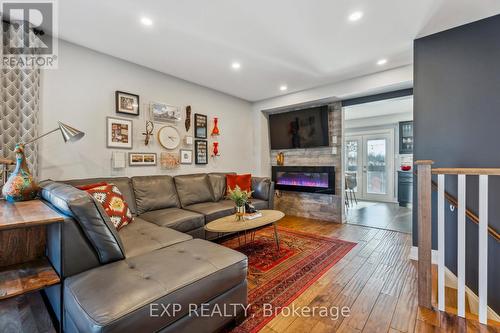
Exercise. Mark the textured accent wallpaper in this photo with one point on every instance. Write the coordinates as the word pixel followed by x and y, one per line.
pixel 19 109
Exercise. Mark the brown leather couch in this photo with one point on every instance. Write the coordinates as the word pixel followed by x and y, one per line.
pixel 121 281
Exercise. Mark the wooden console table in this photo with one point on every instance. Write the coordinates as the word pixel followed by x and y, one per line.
pixel 23 265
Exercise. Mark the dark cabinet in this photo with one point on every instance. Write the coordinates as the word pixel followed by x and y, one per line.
pixel 405 188
pixel 406 137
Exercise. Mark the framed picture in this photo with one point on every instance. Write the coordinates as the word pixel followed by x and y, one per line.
pixel 201 151
pixel 141 159
pixel 200 126
pixel 119 133
pixel 169 160
pixel 127 103
pixel 186 156
pixel 163 113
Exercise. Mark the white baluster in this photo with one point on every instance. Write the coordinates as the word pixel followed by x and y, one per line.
pixel 441 223
pixel 461 246
pixel 483 249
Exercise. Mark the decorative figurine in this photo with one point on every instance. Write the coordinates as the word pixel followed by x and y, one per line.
pixel 280 158
pixel 20 186
pixel 215 149
pixel 149 132
pixel 187 123
pixel 215 130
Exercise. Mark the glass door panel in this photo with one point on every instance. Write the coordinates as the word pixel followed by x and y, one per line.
pixel 376 174
pixel 369 165
pixel 353 162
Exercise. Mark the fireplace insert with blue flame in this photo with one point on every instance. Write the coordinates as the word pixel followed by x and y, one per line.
pixel 311 179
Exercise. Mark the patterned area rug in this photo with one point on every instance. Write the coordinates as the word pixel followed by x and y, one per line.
pixel 277 279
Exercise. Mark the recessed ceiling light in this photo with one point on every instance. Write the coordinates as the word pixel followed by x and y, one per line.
pixel 283 88
pixel 146 21
pixel 355 16
pixel 382 62
pixel 235 65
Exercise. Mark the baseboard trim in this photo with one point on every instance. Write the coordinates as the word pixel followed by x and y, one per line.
pixel 450 281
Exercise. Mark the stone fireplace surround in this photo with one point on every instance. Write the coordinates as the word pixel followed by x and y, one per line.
pixel 326 207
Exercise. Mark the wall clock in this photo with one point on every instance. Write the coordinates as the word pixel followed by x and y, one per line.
pixel 169 137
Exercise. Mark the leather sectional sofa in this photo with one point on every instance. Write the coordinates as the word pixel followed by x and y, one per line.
pixel 129 280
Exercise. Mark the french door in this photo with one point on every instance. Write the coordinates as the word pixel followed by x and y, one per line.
pixel 369 165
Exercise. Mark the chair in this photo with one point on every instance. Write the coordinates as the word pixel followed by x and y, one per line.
pixel 350 184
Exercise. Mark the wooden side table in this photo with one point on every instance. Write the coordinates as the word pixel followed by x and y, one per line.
pixel 23 265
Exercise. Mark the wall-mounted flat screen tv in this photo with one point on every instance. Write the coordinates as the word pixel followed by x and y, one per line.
pixel 305 128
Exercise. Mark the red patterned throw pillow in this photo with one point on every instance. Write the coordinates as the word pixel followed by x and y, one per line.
pixel 112 201
pixel 243 181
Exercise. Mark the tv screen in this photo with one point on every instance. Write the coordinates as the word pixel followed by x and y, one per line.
pixel 304 128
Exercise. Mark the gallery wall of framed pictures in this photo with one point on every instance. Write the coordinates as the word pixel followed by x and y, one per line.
pixel 181 146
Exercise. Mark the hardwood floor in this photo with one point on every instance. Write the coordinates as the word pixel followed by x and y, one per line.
pixel 375 280
pixel 25 314
pixel 381 215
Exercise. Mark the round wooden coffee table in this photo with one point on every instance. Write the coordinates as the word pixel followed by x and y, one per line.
pixel 229 224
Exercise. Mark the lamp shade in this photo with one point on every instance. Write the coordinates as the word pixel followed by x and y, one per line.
pixel 69 133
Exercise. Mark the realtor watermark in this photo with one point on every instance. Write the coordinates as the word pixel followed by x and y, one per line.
pixel 29 34
pixel 235 309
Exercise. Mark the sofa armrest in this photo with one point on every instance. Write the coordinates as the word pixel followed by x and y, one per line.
pixel 263 189
pixel 271 196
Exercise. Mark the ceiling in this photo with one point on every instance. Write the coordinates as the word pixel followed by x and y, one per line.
pixel 387 107
pixel 298 43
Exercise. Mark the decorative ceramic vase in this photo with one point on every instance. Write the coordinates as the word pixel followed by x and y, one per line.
pixel 216 131
pixel 20 185
pixel 280 158
pixel 240 212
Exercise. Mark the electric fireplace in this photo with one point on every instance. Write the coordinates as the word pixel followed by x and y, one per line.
pixel 311 179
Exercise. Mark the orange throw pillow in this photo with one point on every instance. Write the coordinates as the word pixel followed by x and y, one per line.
pixel 243 181
pixel 112 201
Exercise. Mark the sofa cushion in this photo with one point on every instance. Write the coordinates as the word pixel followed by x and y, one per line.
pixel 218 183
pixel 175 218
pixel 89 214
pixel 111 199
pixel 261 187
pixel 154 192
pixel 142 237
pixel 117 297
pixel 193 189
pixel 124 184
pixel 213 210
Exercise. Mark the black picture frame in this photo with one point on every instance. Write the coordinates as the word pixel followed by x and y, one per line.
pixel 200 126
pixel 133 110
pixel 200 151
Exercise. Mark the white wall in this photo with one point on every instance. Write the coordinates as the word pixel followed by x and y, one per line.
pixel 390 80
pixel 81 93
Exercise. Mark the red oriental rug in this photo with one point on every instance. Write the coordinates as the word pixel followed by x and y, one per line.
pixel 278 279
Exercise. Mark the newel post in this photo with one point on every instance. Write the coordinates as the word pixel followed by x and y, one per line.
pixel 424 193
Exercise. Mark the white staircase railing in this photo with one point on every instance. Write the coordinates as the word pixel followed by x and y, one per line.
pixel 424 173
